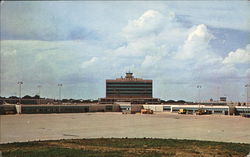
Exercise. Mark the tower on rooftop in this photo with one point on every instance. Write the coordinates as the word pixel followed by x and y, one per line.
pixel 130 89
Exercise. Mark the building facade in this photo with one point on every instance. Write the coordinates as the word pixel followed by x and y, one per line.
pixel 129 88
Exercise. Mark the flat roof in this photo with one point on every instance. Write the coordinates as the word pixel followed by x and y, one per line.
pixel 129 80
pixel 242 106
pixel 190 106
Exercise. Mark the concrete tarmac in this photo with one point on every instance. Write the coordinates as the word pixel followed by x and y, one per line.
pixel 30 127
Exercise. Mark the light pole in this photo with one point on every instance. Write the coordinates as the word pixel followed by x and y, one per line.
pixel 20 91
pixel 199 93
pixel 39 89
pixel 60 86
pixel 218 93
pixel 247 86
pixel 39 93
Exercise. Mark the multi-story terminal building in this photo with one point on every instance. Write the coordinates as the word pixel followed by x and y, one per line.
pixel 129 89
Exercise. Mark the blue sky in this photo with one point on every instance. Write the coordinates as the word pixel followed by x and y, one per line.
pixel 81 44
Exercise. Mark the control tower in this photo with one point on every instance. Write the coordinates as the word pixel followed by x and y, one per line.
pixel 130 89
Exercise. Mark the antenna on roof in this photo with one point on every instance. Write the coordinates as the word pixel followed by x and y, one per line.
pixel 129 75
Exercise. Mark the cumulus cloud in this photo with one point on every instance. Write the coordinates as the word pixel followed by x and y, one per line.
pixel 152 33
pixel 151 22
pixel 196 43
pixel 191 52
pixel 238 56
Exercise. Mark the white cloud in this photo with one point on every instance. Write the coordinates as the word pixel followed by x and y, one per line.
pixel 151 22
pixel 196 43
pixel 238 56
pixel 153 33
pixel 90 62
pixel 151 61
pixel 223 71
pixel 191 52
pixel 200 34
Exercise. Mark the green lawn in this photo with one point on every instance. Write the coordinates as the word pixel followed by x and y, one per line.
pixel 123 147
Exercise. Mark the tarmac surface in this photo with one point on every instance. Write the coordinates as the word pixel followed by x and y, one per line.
pixel 33 127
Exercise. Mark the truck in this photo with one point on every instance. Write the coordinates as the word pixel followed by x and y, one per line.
pixel 201 112
pixel 146 111
pixel 182 111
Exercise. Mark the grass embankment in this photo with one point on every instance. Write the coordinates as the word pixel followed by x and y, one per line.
pixel 123 148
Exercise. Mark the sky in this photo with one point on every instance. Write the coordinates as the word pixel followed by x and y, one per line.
pixel 177 44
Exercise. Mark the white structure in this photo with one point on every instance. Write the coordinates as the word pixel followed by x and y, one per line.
pixel 124 105
pixel 188 108
pixel 155 108
pixel 18 109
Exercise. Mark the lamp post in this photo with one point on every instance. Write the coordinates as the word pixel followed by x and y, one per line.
pixel 199 93
pixel 39 89
pixel 39 93
pixel 20 90
pixel 247 86
pixel 218 93
pixel 60 86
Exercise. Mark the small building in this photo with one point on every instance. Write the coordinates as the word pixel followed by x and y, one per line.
pixel 241 110
pixel 191 109
pixel 223 98
pixel 124 105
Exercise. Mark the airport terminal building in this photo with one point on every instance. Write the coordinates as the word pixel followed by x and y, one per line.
pixel 129 89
